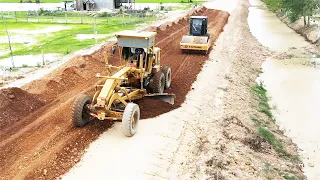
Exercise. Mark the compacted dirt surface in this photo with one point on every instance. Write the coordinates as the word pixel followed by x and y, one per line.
pixel 36 133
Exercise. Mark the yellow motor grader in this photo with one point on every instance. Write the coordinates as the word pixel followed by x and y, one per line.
pixel 139 75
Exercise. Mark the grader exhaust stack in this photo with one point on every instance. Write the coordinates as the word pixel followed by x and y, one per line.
pixel 139 75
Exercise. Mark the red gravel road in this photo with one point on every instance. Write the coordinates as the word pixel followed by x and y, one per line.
pixel 36 134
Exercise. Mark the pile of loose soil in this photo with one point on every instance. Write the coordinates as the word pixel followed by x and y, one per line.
pixel 45 144
pixel 15 104
pixel 77 71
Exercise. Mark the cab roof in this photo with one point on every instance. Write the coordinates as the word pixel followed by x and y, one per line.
pixel 135 34
pixel 199 17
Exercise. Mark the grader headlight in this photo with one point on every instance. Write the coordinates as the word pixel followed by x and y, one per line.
pixel 101 101
pixel 101 115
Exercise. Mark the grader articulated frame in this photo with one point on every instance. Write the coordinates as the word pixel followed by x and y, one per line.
pixel 139 75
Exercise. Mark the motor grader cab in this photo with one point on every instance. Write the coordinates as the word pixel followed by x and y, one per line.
pixel 198 39
pixel 139 75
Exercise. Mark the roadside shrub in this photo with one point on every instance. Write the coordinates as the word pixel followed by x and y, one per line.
pixel 43 12
pixel 104 14
pixel 25 65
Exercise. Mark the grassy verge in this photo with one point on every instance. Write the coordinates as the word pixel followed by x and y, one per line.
pixel 261 93
pixel 263 106
pixel 265 126
pixel 277 145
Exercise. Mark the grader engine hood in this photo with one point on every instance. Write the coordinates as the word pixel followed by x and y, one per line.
pixel 194 42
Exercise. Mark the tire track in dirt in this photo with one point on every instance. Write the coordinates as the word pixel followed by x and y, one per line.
pixel 44 144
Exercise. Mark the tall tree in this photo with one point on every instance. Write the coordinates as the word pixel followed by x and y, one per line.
pixel 300 8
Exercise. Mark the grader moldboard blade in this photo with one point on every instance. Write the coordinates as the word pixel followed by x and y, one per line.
pixel 169 98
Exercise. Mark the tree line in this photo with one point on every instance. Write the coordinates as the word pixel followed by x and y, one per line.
pixel 295 9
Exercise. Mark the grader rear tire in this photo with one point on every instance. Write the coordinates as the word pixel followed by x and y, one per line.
pixel 80 115
pixel 130 119
pixel 157 83
pixel 167 76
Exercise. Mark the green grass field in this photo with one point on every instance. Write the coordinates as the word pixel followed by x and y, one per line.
pixel 63 41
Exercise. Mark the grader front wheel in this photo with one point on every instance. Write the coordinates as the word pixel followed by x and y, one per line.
pixel 157 83
pixel 167 76
pixel 130 119
pixel 80 115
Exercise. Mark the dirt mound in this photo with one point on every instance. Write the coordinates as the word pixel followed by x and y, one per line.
pixel 27 153
pixel 77 70
pixel 16 104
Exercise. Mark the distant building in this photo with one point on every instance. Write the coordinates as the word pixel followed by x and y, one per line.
pixel 90 5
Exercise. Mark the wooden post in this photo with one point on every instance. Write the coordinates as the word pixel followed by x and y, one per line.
pixel 318 30
pixel 4 74
pixel 122 20
pixel 9 42
pixel 95 29
pixel 141 68
pixel 42 58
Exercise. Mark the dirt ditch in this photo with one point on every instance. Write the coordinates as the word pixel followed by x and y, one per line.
pixel 37 137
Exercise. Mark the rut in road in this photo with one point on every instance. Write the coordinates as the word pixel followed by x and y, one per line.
pixel 39 139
